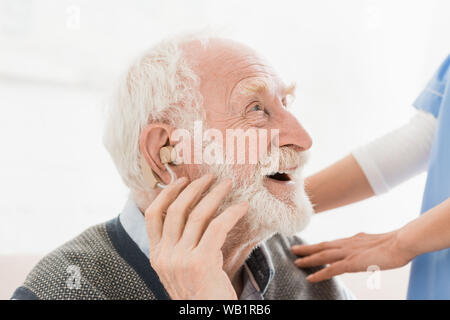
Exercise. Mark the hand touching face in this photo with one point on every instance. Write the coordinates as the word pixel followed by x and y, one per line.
pixel 186 239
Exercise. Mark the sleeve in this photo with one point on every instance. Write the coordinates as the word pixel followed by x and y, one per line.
pixel 23 293
pixel 430 98
pixel 398 155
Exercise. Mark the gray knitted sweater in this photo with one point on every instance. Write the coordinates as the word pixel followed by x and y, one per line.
pixel 104 263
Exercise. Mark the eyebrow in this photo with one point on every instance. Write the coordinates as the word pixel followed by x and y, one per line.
pixel 290 89
pixel 262 85
pixel 254 86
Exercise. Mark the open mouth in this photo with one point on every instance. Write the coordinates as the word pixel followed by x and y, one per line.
pixel 280 176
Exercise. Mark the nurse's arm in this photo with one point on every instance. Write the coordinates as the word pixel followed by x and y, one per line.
pixel 338 185
pixel 429 232
pixel 376 167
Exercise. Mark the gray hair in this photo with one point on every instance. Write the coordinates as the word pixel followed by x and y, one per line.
pixel 160 86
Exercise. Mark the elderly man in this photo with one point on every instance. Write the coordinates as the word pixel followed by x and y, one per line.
pixel 195 229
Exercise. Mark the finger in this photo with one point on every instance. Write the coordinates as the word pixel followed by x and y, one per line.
pixel 216 233
pixel 177 212
pixel 308 249
pixel 154 215
pixel 332 270
pixel 321 258
pixel 201 215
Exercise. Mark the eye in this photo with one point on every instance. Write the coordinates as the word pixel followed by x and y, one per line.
pixel 257 107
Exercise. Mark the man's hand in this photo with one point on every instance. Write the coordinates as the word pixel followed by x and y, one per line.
pixel 186 241
pixel 353 254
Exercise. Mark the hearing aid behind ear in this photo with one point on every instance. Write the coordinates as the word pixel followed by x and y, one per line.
pixel 166 156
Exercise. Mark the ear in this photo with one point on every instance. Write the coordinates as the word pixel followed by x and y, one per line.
pixel 153 137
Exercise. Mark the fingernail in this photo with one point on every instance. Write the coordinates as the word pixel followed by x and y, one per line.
pixel 309 278
pixel 181 180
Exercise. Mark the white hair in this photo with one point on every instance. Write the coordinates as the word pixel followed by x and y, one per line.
pixel 267 214
pixel 160 86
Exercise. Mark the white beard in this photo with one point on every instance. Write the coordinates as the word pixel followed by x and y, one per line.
pixel 266 214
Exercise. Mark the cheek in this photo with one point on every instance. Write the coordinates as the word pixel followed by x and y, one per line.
pixel 256 119
pixel 193 171
pixel 241 121
pixel 244 173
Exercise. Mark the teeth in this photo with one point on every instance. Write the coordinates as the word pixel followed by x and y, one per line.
pixel 280 172
pixel 271 171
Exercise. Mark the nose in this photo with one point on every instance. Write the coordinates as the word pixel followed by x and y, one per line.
pixel 293 134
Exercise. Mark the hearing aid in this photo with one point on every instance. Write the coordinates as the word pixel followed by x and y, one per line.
pixel 166 155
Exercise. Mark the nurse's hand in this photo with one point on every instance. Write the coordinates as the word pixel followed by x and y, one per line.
pixel 353 254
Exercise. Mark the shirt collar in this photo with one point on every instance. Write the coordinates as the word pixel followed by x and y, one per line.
pixel 258 268
pixel 133 222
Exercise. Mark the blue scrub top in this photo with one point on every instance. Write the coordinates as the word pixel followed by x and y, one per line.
pixel 430 272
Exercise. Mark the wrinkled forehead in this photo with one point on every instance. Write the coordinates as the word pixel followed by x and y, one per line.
pixel 229 68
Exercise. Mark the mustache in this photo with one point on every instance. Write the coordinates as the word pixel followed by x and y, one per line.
pixel 283 159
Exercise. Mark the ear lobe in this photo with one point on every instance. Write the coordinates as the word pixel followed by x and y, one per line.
pixel 154 137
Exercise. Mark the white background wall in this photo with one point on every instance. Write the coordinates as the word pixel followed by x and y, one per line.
pixel 358 64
